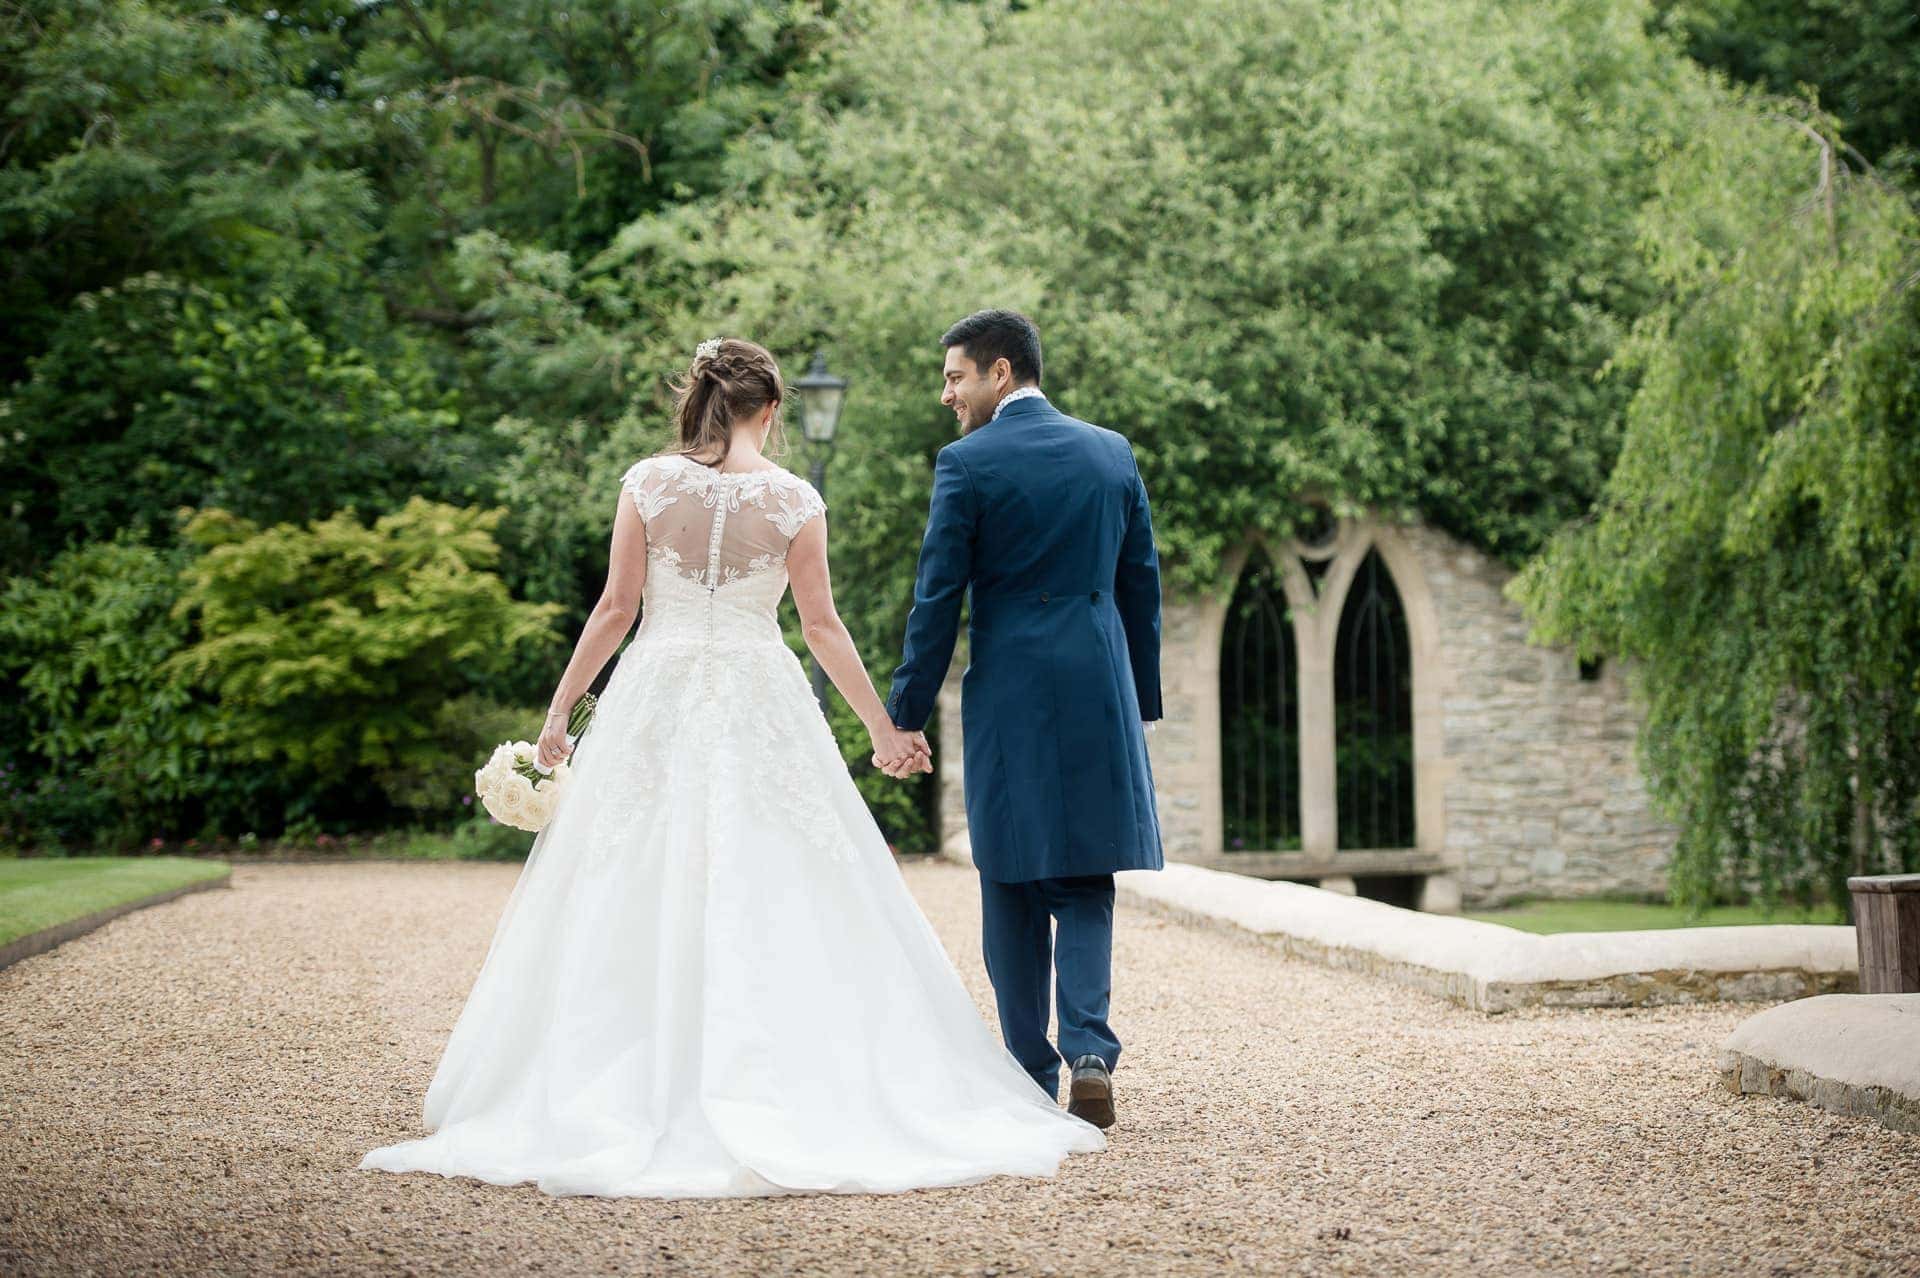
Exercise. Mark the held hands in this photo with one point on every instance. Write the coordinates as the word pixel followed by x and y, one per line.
pixel 900 754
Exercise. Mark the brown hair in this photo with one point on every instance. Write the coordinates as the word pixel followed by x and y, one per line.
pixel 735 380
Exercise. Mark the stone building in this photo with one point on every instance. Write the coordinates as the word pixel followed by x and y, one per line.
pixel 1364 711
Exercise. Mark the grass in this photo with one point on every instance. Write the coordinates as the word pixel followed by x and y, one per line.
pixel 475 839
pixel 1602 915
pixel 42 892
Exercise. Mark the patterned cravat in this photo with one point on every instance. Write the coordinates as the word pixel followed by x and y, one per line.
pixel 1025 392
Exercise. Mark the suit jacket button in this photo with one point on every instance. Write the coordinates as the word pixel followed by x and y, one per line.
pixel 1044 596
pixel 1096 596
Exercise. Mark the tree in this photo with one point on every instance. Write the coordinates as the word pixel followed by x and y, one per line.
pixel 1757 549
pixel 330 647
pixel 315 167
pixel 1378 253
pixel 100 744
pixel 283 257
pixel 156 394
pixel 1861 58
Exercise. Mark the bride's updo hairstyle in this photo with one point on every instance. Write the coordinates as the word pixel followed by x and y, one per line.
pixel 730 378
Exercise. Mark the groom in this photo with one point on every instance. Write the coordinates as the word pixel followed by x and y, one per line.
pixel 1044 519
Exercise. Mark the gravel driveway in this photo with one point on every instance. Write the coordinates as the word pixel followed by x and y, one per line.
pixel 188 1090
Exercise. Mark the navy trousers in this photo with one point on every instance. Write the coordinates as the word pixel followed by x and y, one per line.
pixel 1023 951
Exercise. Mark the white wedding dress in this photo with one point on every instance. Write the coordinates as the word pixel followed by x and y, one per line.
pixel 710 979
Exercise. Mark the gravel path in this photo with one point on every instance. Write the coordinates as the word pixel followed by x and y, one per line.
pixel 188 1090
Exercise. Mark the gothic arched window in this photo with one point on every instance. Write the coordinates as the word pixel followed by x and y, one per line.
pixel 1259 715
pixel 1373 713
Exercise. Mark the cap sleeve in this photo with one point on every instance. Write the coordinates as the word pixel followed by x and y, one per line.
pixel 799 503
pixel 646 482
pixel 636 474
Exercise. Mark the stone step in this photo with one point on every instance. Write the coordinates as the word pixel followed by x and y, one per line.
pixel 1850 1053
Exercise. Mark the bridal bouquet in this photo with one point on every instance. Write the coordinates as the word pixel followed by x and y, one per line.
pixel 516 790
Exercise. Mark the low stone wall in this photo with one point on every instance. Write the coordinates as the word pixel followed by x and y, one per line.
pixel 1491 968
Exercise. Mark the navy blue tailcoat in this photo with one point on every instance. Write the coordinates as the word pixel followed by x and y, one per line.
pixel 1044 519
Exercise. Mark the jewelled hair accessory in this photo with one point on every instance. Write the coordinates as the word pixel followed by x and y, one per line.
pixel 707 349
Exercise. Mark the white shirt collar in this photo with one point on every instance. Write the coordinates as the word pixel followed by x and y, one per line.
pixel 1024 392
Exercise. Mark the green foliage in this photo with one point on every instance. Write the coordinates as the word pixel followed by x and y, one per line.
pixel 1757 550
pixel 283 261
pixel 1860 57
pixel 309 171
pixel 141 138
pixel 478 838
pixel 157 393
pixel 551 125
pixel 464 730
pixel 1379 253
pixel 331 647
pixel 266 259
pixel 100 741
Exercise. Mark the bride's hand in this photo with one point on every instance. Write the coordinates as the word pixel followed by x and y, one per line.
pixel 899 753
pixel 552 747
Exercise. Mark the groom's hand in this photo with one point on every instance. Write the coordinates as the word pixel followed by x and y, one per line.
pixel 903 754
pixel 919 759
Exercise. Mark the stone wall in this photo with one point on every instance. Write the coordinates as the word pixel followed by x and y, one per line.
pixel 1525 776
pixel 1184 750
pixel 1544 797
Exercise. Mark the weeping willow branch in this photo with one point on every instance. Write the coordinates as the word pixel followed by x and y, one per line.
pixel 1824 191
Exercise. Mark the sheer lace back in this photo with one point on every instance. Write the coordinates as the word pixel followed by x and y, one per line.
pixel 715 529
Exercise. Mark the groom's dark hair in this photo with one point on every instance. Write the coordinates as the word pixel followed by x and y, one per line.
pixel 985 336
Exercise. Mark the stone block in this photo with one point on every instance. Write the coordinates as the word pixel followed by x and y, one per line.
pixel 1440 894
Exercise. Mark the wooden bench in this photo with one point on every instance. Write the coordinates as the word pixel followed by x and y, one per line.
pixel 1886 924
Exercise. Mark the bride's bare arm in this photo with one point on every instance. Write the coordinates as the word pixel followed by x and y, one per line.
pixel 832 646
pixel 606 625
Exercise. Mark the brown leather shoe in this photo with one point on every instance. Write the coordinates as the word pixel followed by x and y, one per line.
pixel 1090 1092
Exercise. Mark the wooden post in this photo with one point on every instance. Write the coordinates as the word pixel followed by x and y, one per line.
pixel 1886 923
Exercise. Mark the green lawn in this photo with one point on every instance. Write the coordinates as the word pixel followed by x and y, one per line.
pixel 40 892
pixel 1633 916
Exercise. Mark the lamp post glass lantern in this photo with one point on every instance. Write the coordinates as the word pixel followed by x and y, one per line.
pixel 821 395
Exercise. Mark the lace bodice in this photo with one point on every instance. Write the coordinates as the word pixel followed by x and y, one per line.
pixel 709 672
pixel 718 537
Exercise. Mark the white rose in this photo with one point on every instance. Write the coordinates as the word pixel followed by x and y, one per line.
pixel 516 794
pixel 490 800
pixel 505 800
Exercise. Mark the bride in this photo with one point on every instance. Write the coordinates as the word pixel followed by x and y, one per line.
pixel 710 979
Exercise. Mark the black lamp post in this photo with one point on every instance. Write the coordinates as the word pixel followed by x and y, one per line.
pixel 821 394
